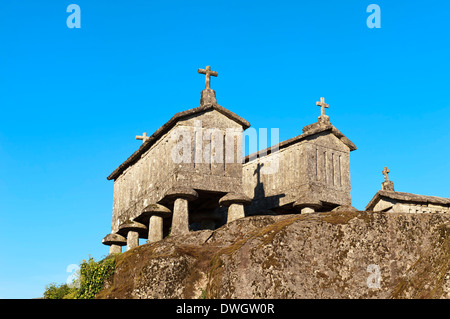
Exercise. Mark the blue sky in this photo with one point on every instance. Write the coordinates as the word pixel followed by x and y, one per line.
pixel 72 101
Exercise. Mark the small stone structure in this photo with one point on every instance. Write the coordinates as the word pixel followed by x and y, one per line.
pixel 190 174
pixel 388 200
pixel 312 171
pixel 115 241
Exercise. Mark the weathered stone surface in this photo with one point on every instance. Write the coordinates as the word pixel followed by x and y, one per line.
pixel 180 219
pixel 115 249
pixel 143 137
pixel 208 72
pixel 323 255
pixel 208 96
pixel 132 239
pixel 181 192
pixel 345 208
pixel 133 230
pixel 307 210
pixel 114 239
pixel 314 165
pixel 147 175
pixel 390 201
pixel 193 165
pixel 156 209
pixel 234 198
pixel 310 203
pixel 323 106
pixel 198 155
pixel 172 268
pixel 153 215
pixel 155 229
pixel 235 211
pixel 387 186
pixel 131 225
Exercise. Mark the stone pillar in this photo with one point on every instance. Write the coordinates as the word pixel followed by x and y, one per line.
pixel 235 211
pixel 155 229
pixel 133 230
pixel 115 241
pixel 307 210
pixel 307 205
pixel 180 219
pixel 115 249
pixel 132 239
pixel 235 203
pixel 153 215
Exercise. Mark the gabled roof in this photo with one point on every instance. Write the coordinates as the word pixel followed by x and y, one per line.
pixel 308 131
pixel 407 197
pixel 169 125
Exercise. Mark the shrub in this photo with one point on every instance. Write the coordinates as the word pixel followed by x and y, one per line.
pixel 92 276
pixel 54 291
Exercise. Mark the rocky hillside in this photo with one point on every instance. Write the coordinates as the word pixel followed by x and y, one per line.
pixel 325 255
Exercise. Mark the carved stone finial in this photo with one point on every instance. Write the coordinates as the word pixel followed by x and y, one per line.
pixel 323 106
pixel 387 185
pixel 144 137
pixel 385 172
pixel 208 74
pixel 208 95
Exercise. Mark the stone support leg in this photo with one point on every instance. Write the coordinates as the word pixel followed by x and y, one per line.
pixel 235 211
pixel 115 249
pixel 180 218
pixel 155 229
pixel 132 239
pixel 307 210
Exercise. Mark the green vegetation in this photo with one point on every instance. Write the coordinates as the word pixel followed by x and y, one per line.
pixel 202 295
pixel 92 276
pixel 53 291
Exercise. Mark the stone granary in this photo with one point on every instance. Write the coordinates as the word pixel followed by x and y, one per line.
pixel 190 174
pixel 388 200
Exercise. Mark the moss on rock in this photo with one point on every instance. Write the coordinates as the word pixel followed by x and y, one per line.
pixel 323 255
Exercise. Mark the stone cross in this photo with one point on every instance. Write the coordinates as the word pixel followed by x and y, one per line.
pixel 322 105
pixel 144 137
pixel 385 172
pixel 208 74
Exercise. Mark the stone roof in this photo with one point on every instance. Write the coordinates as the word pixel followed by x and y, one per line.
pixel 308 131
pixel 114 239
pixel 234 198
pixel 169 125
pixel 131 225
pixel 407 197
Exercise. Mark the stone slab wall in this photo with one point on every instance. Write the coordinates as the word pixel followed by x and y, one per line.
pixel 391 205
pixel 204 166
pixel 144 182
pixel 317 167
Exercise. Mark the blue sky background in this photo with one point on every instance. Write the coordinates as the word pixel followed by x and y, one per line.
pixel 72 101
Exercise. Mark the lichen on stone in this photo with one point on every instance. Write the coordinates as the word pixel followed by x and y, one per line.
pixel 322 255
